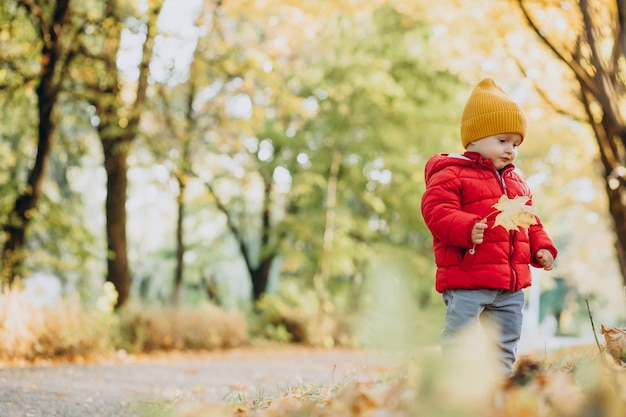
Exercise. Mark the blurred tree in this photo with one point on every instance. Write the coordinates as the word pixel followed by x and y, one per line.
pixel 384 106
pixel 256 107
pixel 119 103
pixel 53 37
pixel 176 134
pixel 235 99
pixel 58 239
pixel 200 126
pixel 341 121
pixel 589 38
pixel 259 127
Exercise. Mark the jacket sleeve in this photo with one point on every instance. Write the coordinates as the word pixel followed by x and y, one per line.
pixel 539 239
pixel 441 209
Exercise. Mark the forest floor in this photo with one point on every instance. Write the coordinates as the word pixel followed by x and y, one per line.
pixel 120 387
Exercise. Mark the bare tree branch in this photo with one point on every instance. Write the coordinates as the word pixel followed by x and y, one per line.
pixel 230 222
pixel 546 98
pixel 144 66
pixel 568 60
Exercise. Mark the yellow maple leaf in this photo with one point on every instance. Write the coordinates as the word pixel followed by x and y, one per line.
pixel 514 212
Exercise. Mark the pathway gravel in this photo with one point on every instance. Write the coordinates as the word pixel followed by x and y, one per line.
pixel 115 389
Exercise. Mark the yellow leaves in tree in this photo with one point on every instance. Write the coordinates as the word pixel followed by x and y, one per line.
pixel 515 212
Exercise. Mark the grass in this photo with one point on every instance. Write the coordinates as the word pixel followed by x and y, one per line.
pixel 572 382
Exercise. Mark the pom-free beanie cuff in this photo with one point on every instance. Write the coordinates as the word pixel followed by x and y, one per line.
pixel 490 111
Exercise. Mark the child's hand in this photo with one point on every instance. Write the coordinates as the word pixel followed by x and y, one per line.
pixel 478 232
pixel 545 258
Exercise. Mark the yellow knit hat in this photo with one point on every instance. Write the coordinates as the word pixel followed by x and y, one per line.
pixel 490 111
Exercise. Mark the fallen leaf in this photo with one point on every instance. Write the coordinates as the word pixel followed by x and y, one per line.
pixel 615 342
pixel 514 212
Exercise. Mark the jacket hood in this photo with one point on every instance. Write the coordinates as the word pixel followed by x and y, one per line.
pixel 442 160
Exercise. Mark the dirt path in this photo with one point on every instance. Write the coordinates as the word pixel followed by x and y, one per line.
pixel 115 389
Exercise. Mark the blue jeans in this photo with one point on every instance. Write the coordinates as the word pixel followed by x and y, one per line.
pixel 501 309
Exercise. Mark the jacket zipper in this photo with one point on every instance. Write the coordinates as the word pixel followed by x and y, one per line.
pixel 501 178
pixel 511 236
pixel 513 273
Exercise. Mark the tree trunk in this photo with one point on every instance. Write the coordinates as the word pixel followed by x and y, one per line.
pixel 180 244
pixel 259 269
pixel 260 277
pixel 115 209
pixel 260 274
pixel 323 276
pixel 119 124
pixel 607 131
pixel 52 59
pixel 182 178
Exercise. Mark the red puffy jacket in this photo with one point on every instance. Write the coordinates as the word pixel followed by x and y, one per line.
pixel 460 191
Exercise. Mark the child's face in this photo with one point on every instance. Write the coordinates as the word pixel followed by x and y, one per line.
pixel 500 148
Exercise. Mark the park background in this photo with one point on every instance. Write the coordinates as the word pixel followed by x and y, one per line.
pixel 243 169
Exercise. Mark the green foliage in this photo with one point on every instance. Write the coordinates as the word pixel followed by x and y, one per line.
pixel 373 100
pixel 386 108
pixel 293 314
pixel 17 100
pixel 282 316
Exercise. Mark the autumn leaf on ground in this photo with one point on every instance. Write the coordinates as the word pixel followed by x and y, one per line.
pixel 514 212
pixel 615 342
